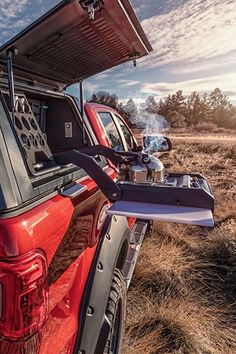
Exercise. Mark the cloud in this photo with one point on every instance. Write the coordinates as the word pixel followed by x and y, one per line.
pixel 223 62
pixel 196 31
pixel 146 9
pixel 128 83
pixel 225 82
pixel 10 9
pixel 90 87
pixel 10 21
pixel 193 41
pixel 102 76
pixel 18 14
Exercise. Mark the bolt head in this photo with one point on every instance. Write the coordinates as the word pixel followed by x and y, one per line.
pixel 100 266
pixel 90 311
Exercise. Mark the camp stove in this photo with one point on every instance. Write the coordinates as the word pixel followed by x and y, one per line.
pixel 147 169
pixel 142 189
pixel 141 168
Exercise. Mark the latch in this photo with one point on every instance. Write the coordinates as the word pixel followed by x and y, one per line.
pixel 134 58
pixel 91 6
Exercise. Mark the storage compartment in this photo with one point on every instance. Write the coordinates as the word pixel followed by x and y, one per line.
pixel 59 122
pixel 44 126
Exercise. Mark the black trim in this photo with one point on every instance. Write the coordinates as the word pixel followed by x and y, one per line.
pixel 198 197
pixel 104 182
pixel 21 186
pixel 92 313
pixel 104 151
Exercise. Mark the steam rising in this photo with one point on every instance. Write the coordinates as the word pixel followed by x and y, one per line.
pixel 150 124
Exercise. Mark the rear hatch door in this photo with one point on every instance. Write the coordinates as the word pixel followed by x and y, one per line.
pixel 65 46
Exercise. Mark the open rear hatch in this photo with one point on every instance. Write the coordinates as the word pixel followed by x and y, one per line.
pixel 65 45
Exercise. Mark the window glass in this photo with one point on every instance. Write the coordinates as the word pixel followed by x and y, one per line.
pixel 127 134
pixel 111 130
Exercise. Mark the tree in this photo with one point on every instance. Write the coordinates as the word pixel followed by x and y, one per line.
pixel 177 109
pixel 165 107
pixel 173 108
pixel 104 97
pixel 232 120
pixel 221 110
pixel 178 102
pixel 150 105
pixel 177 120
pixel 129 111
pixel 197 109
pixel 205 110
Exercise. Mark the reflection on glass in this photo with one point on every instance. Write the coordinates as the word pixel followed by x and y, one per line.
pixel 156 143
pixel 111 130
pixel 127 134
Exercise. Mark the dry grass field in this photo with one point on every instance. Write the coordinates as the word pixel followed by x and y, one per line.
pixel 182 298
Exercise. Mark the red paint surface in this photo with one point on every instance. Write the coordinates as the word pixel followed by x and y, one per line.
pixel 65 296
pixel 44 227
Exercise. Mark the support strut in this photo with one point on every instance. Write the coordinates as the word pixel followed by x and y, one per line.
pixel 104 182
pixel 10 55
pixel 81 92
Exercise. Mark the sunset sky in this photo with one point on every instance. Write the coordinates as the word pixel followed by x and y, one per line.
pixel 194 44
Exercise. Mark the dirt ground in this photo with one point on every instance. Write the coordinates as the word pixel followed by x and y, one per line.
pixel 182 299
pixel 197 138
pixel 219 139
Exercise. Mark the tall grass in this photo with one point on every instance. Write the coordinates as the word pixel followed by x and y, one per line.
pixel 182 298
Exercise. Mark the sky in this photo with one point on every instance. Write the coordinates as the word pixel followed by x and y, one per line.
pixel 194 44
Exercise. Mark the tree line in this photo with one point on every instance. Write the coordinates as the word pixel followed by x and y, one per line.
pixel 179 110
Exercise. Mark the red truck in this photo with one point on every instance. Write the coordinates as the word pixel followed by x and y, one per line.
pixel 72 180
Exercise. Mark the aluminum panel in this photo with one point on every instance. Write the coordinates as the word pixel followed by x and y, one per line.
pixel 163 212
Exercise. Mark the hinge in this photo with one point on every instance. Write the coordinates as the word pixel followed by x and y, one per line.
pixel 91 6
